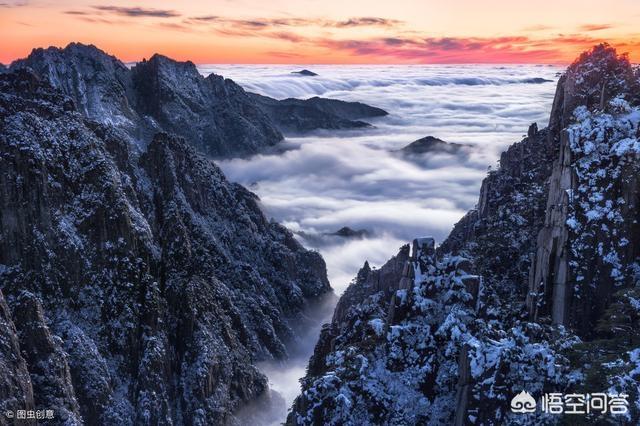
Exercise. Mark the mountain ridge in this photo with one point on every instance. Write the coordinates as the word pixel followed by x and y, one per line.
pixel 212 113
pixel 155 94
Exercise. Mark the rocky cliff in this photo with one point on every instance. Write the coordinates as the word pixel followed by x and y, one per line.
pixel 589 245
pixel 137 287
pixel 536 289
pixel 213 114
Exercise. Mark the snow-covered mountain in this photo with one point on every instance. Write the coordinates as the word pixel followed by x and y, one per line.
pixel 213 114
pixel 136 287
pixel 536 289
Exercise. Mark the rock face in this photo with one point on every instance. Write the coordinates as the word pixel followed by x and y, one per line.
pixel 298 115
pixel 429 145
pixel 140 288
pixel 213 114
pixel 46 360
pixel 500 233
pixel 536 289
pixel 590 243
pixel 377 362
pixel 16 389
pixel 370 282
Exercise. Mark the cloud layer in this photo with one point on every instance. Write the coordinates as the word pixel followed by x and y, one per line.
pixel 354 178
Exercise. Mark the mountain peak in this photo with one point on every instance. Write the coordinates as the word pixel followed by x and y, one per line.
pixel 601 74
pixel 445 341
pixel 162 60
pixel 169 277
pixel 73 49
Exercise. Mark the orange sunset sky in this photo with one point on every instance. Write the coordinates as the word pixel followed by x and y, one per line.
pixel 325 31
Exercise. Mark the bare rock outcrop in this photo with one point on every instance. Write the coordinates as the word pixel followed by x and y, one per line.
pixel 46 360
pixel 368 366
pixel 213 114
pixel 16 390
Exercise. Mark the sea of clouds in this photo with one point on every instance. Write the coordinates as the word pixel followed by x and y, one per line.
pixel 327 180
pixel 354 178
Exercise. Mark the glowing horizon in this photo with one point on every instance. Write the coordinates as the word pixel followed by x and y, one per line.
pixel 328 32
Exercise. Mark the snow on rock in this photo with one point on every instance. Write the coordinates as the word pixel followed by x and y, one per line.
pixel 536 289
pixel 141 288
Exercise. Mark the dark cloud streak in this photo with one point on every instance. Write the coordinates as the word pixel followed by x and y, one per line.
pixel 137 12
pixel 595 27
pixel 366 22
pixel 263 23
pixel 15 4
pixel 459 49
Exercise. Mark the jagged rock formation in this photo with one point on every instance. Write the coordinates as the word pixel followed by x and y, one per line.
pixel 213 114
pixel 430 144
pixel 370 282
pixel 140 288
pixel 46 360
pixel 500 233
pixel 303 115
pixel 555 240
pixel 391 340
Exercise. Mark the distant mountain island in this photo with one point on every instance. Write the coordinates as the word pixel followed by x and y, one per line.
pixel 303 115
pixel 431 144
pixel 305 72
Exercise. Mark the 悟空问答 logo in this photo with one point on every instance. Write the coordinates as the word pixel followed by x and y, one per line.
pixel 523 403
